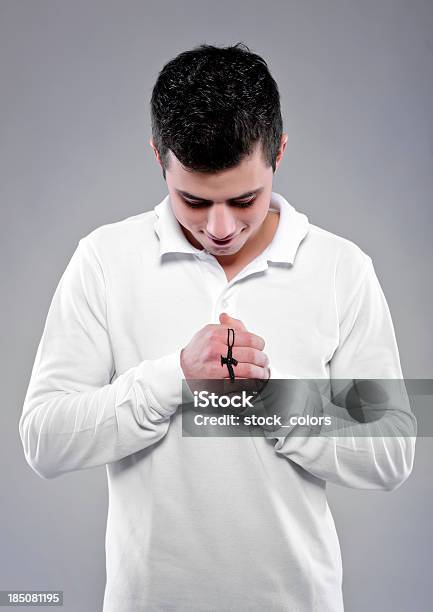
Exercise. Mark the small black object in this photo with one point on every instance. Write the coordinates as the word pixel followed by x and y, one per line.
pixel 229 360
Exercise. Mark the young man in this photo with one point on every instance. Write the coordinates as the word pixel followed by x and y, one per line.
pixel 212 523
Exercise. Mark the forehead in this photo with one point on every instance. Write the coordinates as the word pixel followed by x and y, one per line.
pixel 246 176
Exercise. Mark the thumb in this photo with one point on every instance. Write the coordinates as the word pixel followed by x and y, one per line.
pixel 226 319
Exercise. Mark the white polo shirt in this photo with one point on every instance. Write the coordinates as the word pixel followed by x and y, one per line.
pixel 209 524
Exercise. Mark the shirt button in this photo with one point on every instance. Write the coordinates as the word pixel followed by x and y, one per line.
pixel 224 303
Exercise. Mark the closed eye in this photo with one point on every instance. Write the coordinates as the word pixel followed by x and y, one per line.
pixel 238 203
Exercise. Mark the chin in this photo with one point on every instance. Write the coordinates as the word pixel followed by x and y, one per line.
pixel 222 253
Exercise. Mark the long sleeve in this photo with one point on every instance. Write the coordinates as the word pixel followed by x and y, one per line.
pixel 379 452
pixel 76 413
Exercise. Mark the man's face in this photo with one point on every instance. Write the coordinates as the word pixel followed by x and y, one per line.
pixel 221 212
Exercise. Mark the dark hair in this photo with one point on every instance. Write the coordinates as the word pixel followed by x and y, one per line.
pixel 211 105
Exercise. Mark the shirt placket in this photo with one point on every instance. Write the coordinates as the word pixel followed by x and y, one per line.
pixel 222 292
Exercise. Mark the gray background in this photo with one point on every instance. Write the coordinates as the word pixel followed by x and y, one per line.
pixel 357 97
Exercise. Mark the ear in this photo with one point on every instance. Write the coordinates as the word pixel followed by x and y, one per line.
pixel 284 139
pixel 155 150
pixel 235 324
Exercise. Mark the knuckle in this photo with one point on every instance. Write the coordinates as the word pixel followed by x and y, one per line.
pixel 208 353
pixel 252 341
pixel 211 336
pixel 250 369
pixel 208 328
pixel 258 342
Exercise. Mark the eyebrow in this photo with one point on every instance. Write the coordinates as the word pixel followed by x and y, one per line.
pixel 185 194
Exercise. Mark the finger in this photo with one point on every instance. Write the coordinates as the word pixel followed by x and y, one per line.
pixel 250 355
pixel 226 319
pixel 245 338
pixel 249 370
pixel 242 338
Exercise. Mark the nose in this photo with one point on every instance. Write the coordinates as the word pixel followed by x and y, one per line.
pixel 220 222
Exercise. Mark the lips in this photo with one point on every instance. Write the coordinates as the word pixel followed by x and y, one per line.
pixel 221 242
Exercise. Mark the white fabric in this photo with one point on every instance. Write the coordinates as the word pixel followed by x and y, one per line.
pixel 197 524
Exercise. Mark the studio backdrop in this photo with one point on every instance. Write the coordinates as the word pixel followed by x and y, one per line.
pixel 356 88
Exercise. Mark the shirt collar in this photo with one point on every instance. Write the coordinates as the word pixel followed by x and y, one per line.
pixel 292 228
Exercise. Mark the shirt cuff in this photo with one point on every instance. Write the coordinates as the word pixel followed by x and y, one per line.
pixel 276 374
pixel 164 384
